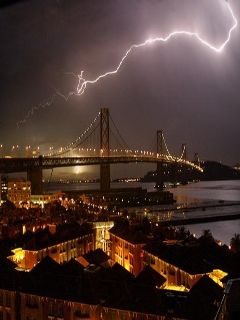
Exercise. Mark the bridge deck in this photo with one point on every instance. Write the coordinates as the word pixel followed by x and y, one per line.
pixel 8 165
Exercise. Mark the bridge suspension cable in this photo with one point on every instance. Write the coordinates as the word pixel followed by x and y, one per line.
pixel 123 144
pixel 79 141
pixel 183 152
pixel 87 136
pixel 166 147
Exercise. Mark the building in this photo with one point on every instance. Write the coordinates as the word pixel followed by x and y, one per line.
pixel 61 246
pixel 230 306
pixel 42 199
pixel 4 189
pixel 127 248
pixel 71 292
pixel 126 197
pixel 39 307
pixel 19 191
pixel 102 236
pixel 182 265
pixel 7 304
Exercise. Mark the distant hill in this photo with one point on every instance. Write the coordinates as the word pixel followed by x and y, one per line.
pixel 218 171
pixel 212 171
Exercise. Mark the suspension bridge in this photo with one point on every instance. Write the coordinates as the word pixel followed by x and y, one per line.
pixel 88 149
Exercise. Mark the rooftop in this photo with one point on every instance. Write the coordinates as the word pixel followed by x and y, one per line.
pixel 193 257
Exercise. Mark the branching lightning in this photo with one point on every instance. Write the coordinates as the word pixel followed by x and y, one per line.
pixel 84 83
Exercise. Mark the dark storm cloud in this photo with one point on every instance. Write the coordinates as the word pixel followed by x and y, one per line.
pixel 7 3
pixel 183 88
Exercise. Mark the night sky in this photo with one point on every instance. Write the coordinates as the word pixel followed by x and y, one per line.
pixel 181 87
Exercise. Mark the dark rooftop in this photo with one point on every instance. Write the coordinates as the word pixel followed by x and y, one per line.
pixel 129 234
pixel 112 287
pixel 149 277
pixel 204 299
pixel 43 238
pixel 186 258
pixel 96 257
pixel 47 265
pixel 194 258
pixel 233 300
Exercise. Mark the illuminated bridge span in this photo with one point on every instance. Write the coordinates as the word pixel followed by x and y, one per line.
pixel 83 151
pixel 8 165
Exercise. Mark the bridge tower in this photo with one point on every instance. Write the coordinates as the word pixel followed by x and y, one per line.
pixel 104 149
pixel 159 148
pixel 196 159
pixel 184 151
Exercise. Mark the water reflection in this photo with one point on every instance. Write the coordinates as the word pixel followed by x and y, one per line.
pixel 211 191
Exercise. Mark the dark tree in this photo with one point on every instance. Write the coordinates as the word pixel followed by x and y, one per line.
pixel 206 237
pixel 146 226
pixel 235 243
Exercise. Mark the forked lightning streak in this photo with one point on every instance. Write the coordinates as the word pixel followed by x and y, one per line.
pixel 84 83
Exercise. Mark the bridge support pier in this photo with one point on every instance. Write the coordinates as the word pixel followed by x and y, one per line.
pixel 159 181
pixel 104 150
pixel 35 176
pixel 105 177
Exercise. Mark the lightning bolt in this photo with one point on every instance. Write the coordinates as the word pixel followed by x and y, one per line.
pixel 83 83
